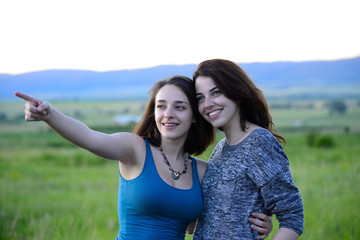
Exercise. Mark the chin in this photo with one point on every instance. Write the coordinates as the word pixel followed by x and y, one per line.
pixel 216 125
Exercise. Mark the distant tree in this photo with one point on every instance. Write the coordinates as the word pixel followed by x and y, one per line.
pixel 19 117
pixel 78 114
pixel 3 117
pixel 347 129
pixel 284 105
pixel 337 107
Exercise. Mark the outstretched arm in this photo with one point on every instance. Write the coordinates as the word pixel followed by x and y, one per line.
pixel 104 145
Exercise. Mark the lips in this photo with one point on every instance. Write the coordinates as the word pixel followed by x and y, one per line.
pixel 170 125
pixel 214 114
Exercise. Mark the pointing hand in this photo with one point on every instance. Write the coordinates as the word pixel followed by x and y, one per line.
pixel 35 109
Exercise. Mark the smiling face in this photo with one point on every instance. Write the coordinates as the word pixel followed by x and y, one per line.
pixel 214 106
pixel 173 114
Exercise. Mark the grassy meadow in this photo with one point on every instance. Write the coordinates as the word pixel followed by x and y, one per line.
pixel 50 189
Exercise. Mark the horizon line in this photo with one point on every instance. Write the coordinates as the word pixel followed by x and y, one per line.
pixel 169 64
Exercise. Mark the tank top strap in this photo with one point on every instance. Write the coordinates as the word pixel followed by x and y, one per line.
pixel 149 164
pixel 196 180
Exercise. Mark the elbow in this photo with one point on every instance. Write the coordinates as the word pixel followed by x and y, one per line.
pixel 293 221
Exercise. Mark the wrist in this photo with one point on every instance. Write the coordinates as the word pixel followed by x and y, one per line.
pixel 48 114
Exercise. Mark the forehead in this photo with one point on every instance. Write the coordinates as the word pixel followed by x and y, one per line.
pixel 204 83
pixel 171 93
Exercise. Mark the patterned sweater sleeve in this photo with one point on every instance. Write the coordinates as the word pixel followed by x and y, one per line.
pixel 272 175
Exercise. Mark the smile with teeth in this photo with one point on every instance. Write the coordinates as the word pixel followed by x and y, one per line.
pixel 214 113
pixel 170 124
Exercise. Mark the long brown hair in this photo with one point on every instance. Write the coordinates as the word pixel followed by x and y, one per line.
pixel 201 133
pixel 236 85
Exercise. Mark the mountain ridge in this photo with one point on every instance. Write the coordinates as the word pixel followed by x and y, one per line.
pixel 276 79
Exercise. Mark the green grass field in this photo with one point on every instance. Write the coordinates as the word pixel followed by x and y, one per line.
pixel 50 189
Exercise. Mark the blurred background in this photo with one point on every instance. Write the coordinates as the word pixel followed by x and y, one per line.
pixel 96 61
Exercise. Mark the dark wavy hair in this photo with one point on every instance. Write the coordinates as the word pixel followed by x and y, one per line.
pixel 236 85
pixel 201 133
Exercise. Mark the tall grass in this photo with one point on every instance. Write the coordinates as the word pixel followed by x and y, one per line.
pixel 327 179
pixel 57 195
pixel 67 193
pixel 50 189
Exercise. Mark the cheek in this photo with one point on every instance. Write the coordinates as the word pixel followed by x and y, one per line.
pixel 192 117
pixel 200 108
pixel 157 116
pixel 157 113
pixel 157 121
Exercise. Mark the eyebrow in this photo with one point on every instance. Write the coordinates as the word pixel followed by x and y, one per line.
pixel 177 101
pixel 209 91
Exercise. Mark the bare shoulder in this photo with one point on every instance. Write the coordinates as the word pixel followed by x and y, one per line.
pixel 128 146
pixel 201 166
pixel 135 141
pixel 128 138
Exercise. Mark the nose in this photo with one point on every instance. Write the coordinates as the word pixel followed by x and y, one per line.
pixel 168 113
pixel 208 103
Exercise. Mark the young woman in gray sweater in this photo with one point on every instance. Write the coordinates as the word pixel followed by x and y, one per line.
pixel 248 170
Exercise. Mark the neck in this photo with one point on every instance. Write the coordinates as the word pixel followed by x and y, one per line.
pixel 173 149
pixel 235 135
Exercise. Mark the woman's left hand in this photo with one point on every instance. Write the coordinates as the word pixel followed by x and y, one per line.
pixel 261 223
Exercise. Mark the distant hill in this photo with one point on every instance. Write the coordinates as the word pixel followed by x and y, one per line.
pixel 313 79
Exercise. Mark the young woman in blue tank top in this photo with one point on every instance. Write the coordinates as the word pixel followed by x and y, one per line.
pixel 160 184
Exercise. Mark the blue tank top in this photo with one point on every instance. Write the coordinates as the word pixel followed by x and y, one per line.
pixel 151 209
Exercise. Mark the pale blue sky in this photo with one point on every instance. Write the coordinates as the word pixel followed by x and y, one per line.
pixel 106 35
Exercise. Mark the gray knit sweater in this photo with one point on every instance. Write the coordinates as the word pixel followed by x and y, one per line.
pixel 252 176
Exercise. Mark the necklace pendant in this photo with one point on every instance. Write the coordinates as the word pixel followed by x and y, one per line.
pixel 175 175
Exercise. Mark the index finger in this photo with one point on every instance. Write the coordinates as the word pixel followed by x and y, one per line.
pixel 25 97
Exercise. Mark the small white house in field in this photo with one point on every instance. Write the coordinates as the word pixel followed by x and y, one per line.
pixel 126 119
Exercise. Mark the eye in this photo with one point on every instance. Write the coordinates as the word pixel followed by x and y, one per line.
pixel 200 99
pixel 216 92
pixel 160 106
pixel 180 107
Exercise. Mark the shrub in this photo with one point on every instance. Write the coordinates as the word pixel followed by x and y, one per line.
pixel 325 142
pixel 310 138
pixel 314 139
pixel 347 129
